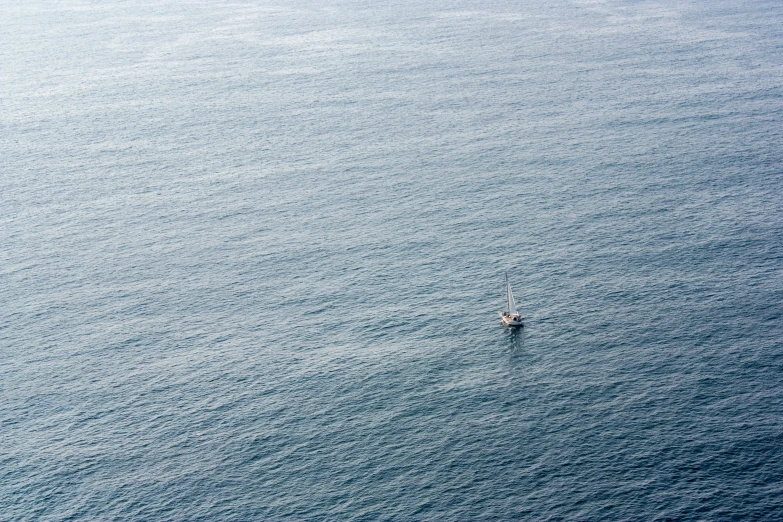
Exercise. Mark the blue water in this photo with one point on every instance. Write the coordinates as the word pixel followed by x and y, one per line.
pixel 252 255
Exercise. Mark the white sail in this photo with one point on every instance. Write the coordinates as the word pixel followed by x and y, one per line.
pixel 512 305
pixel 510 317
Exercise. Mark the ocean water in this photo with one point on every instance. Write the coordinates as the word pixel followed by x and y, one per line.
pixel 252 255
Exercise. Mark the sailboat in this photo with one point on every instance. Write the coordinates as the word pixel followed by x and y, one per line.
pixel 510 317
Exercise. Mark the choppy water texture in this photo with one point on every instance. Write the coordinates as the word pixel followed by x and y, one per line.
pixel 253 253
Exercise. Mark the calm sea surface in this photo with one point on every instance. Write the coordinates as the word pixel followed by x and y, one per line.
pixel 252 255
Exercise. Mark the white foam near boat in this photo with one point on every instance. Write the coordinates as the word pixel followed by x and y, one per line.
pixel 510 316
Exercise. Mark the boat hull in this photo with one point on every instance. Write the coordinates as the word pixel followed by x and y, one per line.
pixel 511 320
